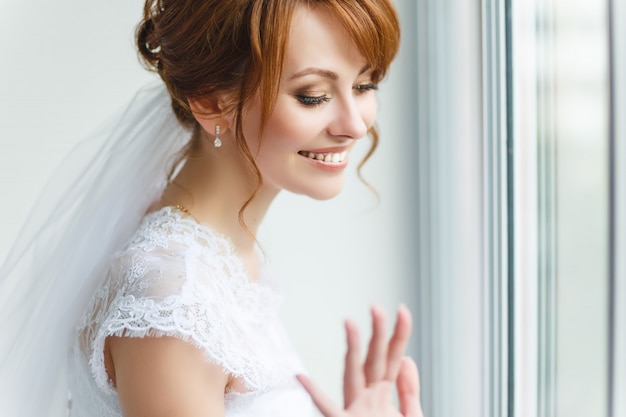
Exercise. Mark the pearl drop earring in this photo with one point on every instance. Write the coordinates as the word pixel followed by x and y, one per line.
pixel 217 142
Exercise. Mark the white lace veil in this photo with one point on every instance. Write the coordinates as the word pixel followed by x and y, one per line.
pixel 87 211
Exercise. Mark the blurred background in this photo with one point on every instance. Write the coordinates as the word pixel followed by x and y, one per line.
pixel 502 179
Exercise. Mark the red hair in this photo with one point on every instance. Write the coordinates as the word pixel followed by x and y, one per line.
pixel 232 49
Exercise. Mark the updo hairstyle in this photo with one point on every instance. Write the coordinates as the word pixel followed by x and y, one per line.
pixel 230 49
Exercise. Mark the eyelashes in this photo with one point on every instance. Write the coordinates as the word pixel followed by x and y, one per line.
pixel 313 101
pixel 366 87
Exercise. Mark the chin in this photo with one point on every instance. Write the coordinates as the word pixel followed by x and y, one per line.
pixel 324 193
pixel 324 196
pixel 321 191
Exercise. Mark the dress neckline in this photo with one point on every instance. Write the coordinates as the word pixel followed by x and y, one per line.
pixel 204 230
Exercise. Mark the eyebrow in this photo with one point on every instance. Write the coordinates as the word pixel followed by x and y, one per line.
pixel 323 73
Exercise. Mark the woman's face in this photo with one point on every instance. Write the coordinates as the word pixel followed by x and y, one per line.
pixel 325 103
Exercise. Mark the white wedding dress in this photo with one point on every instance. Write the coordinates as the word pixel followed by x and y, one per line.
pixel 178 278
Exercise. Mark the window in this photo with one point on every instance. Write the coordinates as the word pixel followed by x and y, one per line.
pixel 520 206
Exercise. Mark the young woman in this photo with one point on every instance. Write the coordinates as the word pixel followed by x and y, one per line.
pixel 182 318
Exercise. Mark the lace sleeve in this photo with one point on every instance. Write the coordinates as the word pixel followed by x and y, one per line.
pixel 182 294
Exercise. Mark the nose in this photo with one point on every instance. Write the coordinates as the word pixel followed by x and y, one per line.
pixel 350 119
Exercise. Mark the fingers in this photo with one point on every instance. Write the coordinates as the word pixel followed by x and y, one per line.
pixel 408 386
pixel 323 403
pixel 398 343
pixel 383 360
pixel 375 363
pixel 353 377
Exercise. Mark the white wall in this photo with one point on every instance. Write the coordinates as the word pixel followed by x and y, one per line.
pixel 66 66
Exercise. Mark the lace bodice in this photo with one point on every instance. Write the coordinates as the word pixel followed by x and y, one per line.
pixel 179 278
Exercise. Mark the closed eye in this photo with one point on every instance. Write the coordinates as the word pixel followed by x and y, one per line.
pixel 312 101
pixel 366 87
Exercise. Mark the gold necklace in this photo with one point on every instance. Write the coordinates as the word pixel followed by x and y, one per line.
pixel 177 206
pixel 183 209
pixel 186 211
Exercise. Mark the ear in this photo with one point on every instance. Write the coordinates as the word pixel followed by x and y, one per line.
pixel 208 113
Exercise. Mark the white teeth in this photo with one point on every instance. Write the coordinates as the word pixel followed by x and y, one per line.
pixel 334 158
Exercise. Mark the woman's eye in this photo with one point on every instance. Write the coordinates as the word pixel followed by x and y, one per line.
pixel 366 87
pixel 312 101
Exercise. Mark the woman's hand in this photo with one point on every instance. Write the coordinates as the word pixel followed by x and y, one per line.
pixel 368 387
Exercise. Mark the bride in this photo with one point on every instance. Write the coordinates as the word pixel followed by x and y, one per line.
pixel 155 280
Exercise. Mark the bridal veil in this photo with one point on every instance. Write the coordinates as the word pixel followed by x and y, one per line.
pixel 90 206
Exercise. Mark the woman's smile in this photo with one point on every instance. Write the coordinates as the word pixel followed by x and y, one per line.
pixel 326 102
pixel 330 159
